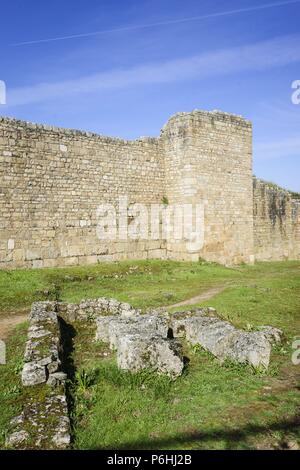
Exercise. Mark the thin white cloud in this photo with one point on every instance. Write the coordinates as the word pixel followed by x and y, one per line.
pixel 254 57
pixel 286 147
pixel 160 23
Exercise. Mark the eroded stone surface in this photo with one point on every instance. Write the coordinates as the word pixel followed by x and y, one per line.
pixel 61 437
pixel 139 324
pixel 56 379
pixel 43 424
pixel 141 342
pixel 252 348
pixel 44 421
pixel 199 326
pixel 150 351
pixel 17 438
pixel 179 320
pixel 42 353
pixel 91 309
pixel 274 335
pixel 33 374
pixel 222 339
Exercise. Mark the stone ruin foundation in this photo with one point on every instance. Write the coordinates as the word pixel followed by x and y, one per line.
pixel 151 340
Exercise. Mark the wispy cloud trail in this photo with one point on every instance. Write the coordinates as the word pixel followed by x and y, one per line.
pixel 276 52
pixel 159 23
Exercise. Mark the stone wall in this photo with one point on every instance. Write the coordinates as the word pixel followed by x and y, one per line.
pixel 276 223
pixel 149 341
pixel 209 159
pixel 44 420
pixel 53 180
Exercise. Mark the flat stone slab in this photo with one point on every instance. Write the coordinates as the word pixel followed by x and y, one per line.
pixel 41 425
pixel 141 342
pixel 33 374
pixel 222 339
pixel 92 308
pixel 43 348
pixel 150 351
pixel 199 326
pixel 111 328
pixel 44 422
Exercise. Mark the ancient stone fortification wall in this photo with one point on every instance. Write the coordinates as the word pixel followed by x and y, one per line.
pixel 276 223
pixel 209 158
pixel 53 180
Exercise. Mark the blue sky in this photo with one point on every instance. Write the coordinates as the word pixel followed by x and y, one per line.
pixel 152 59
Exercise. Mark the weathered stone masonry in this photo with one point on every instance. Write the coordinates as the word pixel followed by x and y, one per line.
pixel 52 180
pixel 276 223
pixel 150 341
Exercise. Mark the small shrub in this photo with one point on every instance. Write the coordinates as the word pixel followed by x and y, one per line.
pixel 86 379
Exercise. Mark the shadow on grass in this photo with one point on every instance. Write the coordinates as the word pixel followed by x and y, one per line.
pixel 232 437
pixel 68 333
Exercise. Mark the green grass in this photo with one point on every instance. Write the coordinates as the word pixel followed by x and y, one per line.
pixel 210 406
pixel 11 394
pixel 142 283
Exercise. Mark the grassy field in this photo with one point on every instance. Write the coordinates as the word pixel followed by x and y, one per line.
pixel 210 406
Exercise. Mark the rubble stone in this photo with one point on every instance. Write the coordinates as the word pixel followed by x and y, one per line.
pixel 150 351
pixel 222 339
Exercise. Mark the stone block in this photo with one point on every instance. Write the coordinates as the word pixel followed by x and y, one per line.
pixel 33 374
pixel 153 352
pixel 222 339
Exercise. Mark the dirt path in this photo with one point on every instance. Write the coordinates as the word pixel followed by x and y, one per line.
pixel 201 297
pixel 7 324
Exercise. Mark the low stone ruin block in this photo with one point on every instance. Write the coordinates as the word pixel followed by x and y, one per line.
pixel 91 309
pixel 33 374
pixel 41 425
pixel 42 353
pixel 222 339
pixel 44 422
pixel 109 329
pixel 273 335
pixel 145 324
pixel 141 342
pixel 252 348
pixel 146 351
